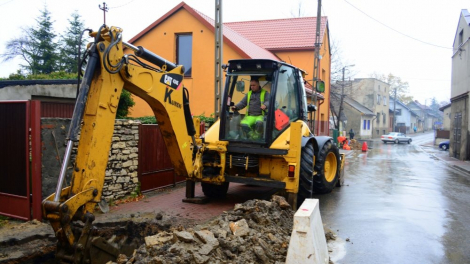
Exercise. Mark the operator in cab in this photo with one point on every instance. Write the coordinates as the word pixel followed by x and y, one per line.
pixel 257 102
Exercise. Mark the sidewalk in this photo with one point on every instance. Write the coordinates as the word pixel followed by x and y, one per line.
pixel 461 165
pixel 170 201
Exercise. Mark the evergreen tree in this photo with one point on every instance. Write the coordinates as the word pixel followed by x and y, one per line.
pixel 42 41
pixel 69 44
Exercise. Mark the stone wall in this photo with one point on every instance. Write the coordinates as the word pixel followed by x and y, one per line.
pixel 121 174
pixel 121 177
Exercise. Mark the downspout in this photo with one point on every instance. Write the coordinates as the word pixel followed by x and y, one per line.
pixel 318 117
pixel 372 132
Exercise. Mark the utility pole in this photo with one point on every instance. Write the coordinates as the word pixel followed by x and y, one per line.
pixel 394 109
pixel 218 56
pixel 316 70
pixel 341 100
pixel 342 96
pixel 105 9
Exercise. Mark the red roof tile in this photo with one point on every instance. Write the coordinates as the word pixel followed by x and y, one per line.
pixel 290 33
pixel 252 50
pixel 239 43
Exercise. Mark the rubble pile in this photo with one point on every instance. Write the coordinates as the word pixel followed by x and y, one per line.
pixel 256 231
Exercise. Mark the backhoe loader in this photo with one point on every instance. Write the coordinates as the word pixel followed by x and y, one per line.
pixel 284 154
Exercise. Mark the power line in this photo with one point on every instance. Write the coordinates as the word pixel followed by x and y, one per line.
pixel 395 29
pixel 114 7
pixel 6 2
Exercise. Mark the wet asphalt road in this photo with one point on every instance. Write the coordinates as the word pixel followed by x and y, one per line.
pixel 400 204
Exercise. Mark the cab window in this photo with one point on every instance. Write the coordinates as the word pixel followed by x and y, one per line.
pixel 286 108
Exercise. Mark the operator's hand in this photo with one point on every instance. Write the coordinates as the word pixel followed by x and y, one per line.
pixel 234 108
pixel 263 107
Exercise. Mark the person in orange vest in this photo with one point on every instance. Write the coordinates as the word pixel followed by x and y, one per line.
pixel 346 146
pixel 256 101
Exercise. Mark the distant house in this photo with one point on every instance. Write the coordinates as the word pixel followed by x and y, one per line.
pixel 186 36
pixel 426 118
pixel 415 120
pixel 459 127
pixel 446 116
pixel 403 116
pixel 374 94
pixel 355 115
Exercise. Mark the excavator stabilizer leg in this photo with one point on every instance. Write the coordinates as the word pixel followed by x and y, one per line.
pixel 190 194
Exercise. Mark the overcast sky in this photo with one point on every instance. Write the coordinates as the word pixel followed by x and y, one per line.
pixel 381 36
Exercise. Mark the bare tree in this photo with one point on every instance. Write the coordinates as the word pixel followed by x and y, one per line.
pixel 341 84
pixel 35 46
pixel 402 87
pixel 21 47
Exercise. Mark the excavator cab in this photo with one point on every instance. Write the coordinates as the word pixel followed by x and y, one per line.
pixel 284 88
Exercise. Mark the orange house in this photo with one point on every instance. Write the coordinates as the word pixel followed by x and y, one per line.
pixel 186 36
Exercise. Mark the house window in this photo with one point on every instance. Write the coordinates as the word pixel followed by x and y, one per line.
pixel 364 125
pixel 184 52
pixel 377 131
pixel 377 118
pixel 398 112
pixel 384 117
pixel 378 99
pixel 385 100
pixel 368 124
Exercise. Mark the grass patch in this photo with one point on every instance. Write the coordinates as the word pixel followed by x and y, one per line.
pixel 3 220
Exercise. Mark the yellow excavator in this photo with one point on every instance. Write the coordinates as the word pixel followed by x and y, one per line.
pixel 280 151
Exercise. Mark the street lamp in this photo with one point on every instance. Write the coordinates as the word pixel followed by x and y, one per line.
pixel 424 113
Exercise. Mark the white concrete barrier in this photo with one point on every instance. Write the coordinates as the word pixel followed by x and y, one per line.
pixel 308 242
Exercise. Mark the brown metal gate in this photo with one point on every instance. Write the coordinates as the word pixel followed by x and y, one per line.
pixel 457 135
pixel 18 159
pixel 155 168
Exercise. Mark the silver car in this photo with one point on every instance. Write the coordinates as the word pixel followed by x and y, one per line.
pixel 395 137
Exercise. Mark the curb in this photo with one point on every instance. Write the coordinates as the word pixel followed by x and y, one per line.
pixel 457 167
pixel 461 169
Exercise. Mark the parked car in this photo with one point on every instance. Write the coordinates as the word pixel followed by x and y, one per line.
pixel 444 145
pixel 395 137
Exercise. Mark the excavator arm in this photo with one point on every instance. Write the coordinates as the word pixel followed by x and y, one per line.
pixel 109 70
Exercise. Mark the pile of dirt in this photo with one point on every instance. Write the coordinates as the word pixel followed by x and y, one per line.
pixel 256 231
pixel 355 145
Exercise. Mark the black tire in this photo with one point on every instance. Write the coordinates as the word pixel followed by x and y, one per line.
pixel 385 142
pixel 321 184
pixel 214 190
pixel 396 141
pixel 409 141
pixel 306 173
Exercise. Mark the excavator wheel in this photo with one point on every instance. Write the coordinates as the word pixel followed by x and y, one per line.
pixel 306 174
pixel 214 190
pixel 327 168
